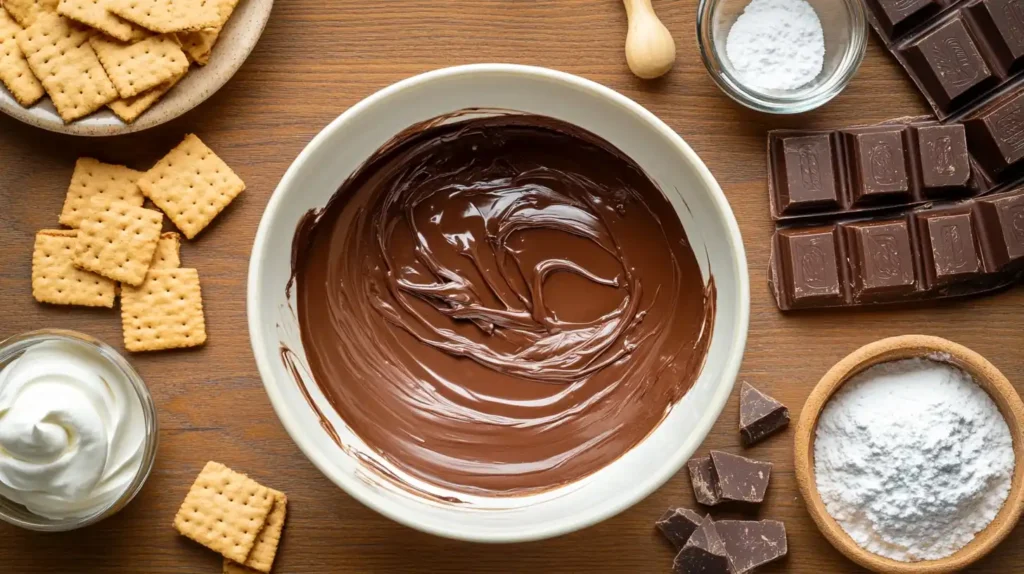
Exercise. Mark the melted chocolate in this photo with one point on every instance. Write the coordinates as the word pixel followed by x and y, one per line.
pixel 500 305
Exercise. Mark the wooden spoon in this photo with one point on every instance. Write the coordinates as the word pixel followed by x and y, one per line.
pixel 650 49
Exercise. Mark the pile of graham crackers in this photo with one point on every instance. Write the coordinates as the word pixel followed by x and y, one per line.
pixel 234 516
pixel 86 54
pixel 114 241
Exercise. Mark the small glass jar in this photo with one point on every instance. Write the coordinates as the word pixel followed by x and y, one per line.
pixel 16 514
pixel 845 28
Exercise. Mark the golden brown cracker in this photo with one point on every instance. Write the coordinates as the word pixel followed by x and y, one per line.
pixel 118 240
pixel 94 13
pixel 165 312
pixel 261 558
pixel 92 179
pixel 24 12
pixel 199 45
pixel 191 185
pixel 168 16
pixel 224 511
pixel 136 68
pixel 56 280
pixel 15 72
pixel 129 109
pixel 62 58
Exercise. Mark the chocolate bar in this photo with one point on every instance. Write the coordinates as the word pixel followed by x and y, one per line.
pixel 739 479
pixel 952 250
pixel 678 524
pixel 751 543
pixel 704 552
pixel 901 163
pixel 959 53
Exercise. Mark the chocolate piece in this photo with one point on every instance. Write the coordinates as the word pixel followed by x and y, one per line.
pixel 1001 24
pixel 752 543
pixel 896 17
pixel 949 244
pixel 703 553
pixel 760 415
pixel 702 478
pixel 881 259
pixel 738 478
pixel 943 163
pixel 967 248
pixel 805 175
pixel 678 524
pixel 996 134
pixel 878 165
pixel 482 300
pixel 947 65
pixel 808 256
pixel 1001 218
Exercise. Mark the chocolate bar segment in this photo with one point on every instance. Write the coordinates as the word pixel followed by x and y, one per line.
pixel 702 478
pixel 949 244
pixel 896 17
pixel 941 158
pixel 809 257
pixel 760 415
pixel 1001 24
pixel 703 553
pixel 881 259
pixel 1001 218
pixel 996 134
pixel 948 65
pixel 805 175
pixel 878 165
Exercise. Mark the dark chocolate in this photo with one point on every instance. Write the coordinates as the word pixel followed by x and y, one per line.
pixel 739 479
pixel 702 478
pixel 895 17
pixel 951 250
pixel 703 553
pixel 677 524
pixel 760 415
pixel 814 174
pixel 751 543
pixel 1001 24
pixel 948 66
pixel 996 134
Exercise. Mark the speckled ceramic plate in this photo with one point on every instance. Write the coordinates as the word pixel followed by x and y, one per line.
pixel 236 42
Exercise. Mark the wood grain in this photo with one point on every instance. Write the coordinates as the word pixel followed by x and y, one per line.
pixel 315 60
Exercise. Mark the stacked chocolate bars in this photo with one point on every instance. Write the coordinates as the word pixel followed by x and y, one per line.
pixel 906 210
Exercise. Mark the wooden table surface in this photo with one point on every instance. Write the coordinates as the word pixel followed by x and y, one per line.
pixel 315 60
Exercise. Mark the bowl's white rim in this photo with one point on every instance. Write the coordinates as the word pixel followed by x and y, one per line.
pixel 589 516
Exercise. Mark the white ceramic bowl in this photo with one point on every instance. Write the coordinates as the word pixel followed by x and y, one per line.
pixel 340 149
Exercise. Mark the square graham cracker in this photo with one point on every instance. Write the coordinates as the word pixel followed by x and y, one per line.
pixel 191 185
pixel 15 72
pixel 94 13
pixel 136 68
pixel 129 109
pixel 62 58
pixel 56 280
pixel 167 16
pixel 199 45
pixel 118 240
pixel 167 254
pixel 224 511
pixel 24 12
pixel 95 179
pixel 165 312
pixel 261 557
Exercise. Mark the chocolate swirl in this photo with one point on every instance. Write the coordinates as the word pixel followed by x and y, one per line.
pixel 501 305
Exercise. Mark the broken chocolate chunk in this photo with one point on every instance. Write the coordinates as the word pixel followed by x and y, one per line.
pixel 702 479
pixel 703 553
pixel 739 479
pixel 678 524
pixel 752 543
pixel 760 415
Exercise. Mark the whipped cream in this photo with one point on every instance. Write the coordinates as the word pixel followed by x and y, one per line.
pixel 72 430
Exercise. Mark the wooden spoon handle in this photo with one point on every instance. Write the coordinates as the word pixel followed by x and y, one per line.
pixel 650 49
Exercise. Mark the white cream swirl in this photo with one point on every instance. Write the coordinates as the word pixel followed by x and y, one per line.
pixel 72 431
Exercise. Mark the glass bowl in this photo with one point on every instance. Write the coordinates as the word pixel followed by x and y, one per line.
pixel 16 514
pixel 845 29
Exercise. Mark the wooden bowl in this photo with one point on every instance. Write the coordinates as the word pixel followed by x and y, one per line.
pixel 906 347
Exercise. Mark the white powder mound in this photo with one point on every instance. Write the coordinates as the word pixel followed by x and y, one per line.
pixel 776 44
pixel 913 458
